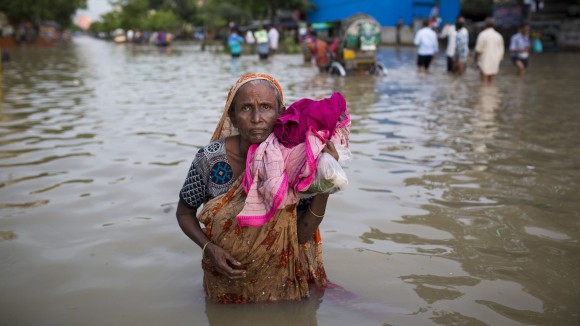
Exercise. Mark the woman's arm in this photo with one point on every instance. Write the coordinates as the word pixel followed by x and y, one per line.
pixel 309 220
pixel 221 259
pixel 186 217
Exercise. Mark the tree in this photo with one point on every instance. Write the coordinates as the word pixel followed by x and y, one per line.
pixel 162 20
pixel 169 15
pixel 187 10
pixel 37 11
pixel 111 21
pixel 134 15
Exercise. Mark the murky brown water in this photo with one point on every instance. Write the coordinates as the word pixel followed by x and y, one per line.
pixel 463 205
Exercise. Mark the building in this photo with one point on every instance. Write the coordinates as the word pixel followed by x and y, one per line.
pixel 386 12
pixel 555 22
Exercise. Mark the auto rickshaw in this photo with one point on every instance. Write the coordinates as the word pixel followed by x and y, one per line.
pixel 357 44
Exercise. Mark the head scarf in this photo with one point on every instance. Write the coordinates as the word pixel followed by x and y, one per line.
pixel 225 128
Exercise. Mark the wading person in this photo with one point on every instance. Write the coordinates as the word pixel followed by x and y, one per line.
pixel 274 39
pixel 520 48
pixel 320 52
pixel 455 33
pixel 250 259
pixel 398 31
pixel 235 44
pixel 449 33
pixel 461 46
pixel 262 43
pixel 427 45
pixel 489 51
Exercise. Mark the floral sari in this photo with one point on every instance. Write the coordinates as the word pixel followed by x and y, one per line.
pixel 277 266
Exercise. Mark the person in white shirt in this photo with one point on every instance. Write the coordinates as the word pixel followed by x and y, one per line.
pixel 450 32
pixel 274 37
pixel 427 45
pixel 489 51
pixel 250 37
pixel 520 48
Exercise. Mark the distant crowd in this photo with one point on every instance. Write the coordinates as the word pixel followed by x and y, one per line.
pixel 488 52
pixel 266 40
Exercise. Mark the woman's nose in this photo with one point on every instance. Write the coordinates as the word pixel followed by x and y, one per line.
pixel 255 115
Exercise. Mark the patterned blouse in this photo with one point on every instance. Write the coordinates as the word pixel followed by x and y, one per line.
pixel 211 175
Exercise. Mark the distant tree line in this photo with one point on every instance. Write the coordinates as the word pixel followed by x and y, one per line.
pixel 37 11
pixel 180 15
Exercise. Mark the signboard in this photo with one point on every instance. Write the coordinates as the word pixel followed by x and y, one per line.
pixel 506 15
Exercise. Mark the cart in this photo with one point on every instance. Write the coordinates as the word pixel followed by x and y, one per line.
pixel 357 42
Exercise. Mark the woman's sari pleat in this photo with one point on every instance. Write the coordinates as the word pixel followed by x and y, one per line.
pixel 277 267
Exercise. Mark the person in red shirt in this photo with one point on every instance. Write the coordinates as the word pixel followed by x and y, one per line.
pixel 319 49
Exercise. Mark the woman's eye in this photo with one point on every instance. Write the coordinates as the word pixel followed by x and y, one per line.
pixel 246 108
pixel 266 107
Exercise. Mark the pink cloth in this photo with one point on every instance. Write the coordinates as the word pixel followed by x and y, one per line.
pixel 290 128
pixel 275 173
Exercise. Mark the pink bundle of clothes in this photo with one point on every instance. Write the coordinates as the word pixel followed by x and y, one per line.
pixel 285 163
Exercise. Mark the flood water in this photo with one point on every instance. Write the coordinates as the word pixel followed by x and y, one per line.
pixel 463 205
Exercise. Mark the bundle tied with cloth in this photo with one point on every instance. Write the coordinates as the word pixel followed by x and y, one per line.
pixel 290 165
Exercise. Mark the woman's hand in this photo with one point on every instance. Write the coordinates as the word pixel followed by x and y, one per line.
pixel 224 262
pixel 330 149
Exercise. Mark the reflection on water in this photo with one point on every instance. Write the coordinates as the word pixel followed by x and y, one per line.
pixel 483 122
pixel 462 205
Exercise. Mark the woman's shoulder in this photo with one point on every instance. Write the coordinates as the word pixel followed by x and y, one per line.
pixel 213 149
pixel 214 166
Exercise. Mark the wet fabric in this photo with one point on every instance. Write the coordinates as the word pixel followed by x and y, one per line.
pixel 326 114
pixel 285 163
pixel 278 268
pixel 209 175
pixel 520 42
pixel 235 43
pixel 462 44
pixel 489 45
pixel 275 174
pixel 426 42
pixel 319 49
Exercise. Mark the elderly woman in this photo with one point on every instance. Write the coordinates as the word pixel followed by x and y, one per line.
pixel 275 261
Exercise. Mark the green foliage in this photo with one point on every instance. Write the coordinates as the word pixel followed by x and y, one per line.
pixel 167 15
pixel 218 13
pixel 162 21
pixel 186 10
pixel 291 46
pixel 109 22
pixel 36 11
pixel 139 15
pixel 172 15
pixel 134 15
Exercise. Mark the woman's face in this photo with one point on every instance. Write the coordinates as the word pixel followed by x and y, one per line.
pixel 255 111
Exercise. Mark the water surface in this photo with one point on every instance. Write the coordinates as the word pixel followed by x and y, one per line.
pixel 462 207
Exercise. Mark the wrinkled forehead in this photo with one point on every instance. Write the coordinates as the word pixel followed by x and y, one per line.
pixel 255 86
pixel 252 88
pixel 252 77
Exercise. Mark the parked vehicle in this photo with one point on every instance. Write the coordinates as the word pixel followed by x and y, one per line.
pixel 356 46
